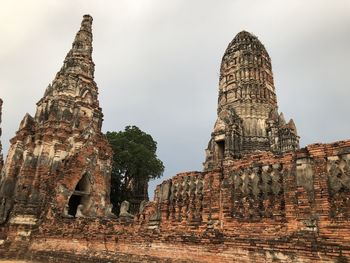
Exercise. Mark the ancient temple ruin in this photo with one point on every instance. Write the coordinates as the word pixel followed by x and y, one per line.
pixel 59 161
pixel 248 120
pixel 259 199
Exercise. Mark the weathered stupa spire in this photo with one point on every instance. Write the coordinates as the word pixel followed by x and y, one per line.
pixel 75 80
pixel 79 58
pixel 60 157
pixel 248 119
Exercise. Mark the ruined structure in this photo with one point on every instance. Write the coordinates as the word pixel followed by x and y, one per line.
pixel 59 158
pixel 248 119
pixel 260 198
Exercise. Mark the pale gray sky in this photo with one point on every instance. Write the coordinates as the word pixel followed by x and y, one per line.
pixel 157 64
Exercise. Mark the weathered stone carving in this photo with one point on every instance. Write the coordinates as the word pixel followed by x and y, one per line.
pixel 172 202
pixel 80 211
pixel 179 202
pixel 66 212
pixel 199 198
pixel 165 189
pixel 124 210
pixel 185 198
pixel 339 185
pixel 109 212
pixel 257 192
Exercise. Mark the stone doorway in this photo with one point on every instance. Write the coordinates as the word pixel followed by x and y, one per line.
pixel 80 196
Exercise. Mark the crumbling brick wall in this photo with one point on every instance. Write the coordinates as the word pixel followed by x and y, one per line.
pixel 286 208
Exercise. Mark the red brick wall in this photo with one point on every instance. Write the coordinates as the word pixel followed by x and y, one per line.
pixel 263 208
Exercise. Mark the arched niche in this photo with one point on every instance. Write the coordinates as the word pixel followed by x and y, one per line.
pixel 80 195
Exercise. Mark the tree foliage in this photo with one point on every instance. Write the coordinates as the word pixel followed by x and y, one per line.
pixel 135 162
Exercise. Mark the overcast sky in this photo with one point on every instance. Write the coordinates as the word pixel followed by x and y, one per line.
pixel 157 64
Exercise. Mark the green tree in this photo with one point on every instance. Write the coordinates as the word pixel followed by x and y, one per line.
pixel 135 162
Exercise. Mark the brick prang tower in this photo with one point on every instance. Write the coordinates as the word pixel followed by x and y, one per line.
pixel 59 160
pixel 248 119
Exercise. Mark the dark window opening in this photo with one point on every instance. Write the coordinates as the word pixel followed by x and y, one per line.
pixel 79 187
pixel 221 149
pixel 73 203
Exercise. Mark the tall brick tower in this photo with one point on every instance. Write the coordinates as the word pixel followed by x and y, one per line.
pixel 248 119
pixel 60 157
